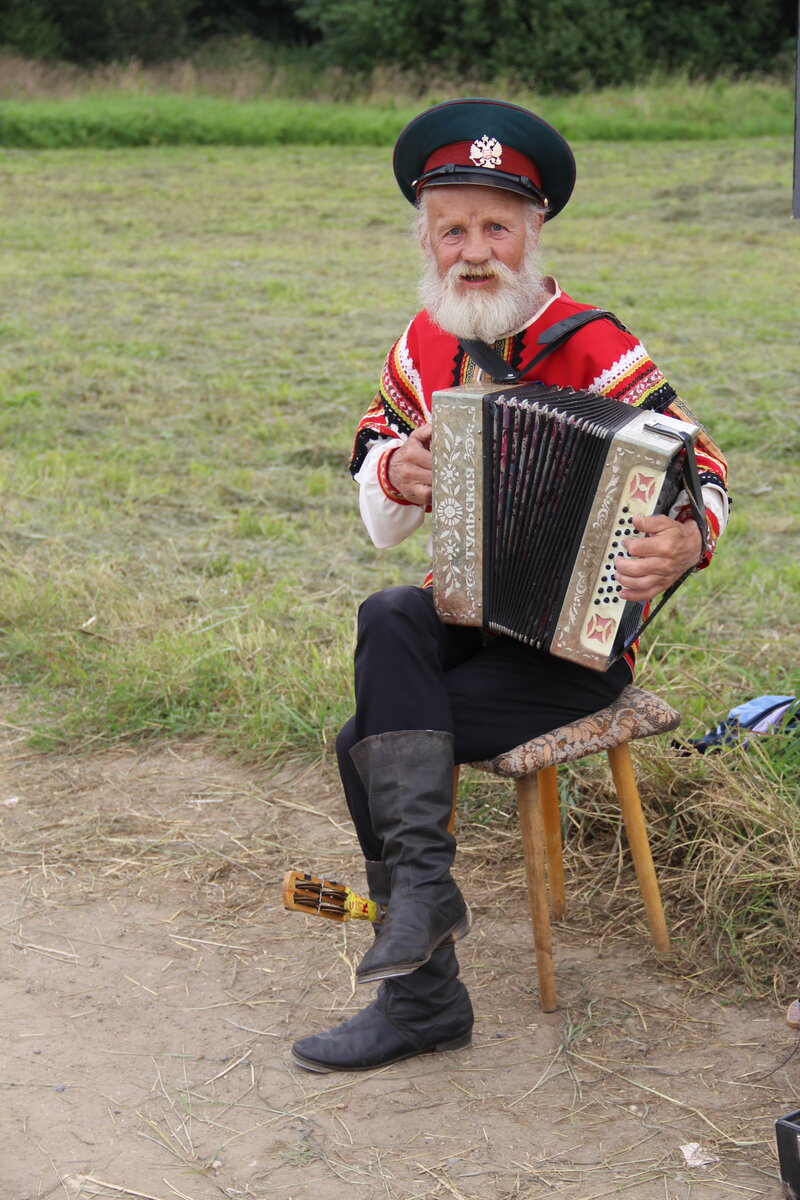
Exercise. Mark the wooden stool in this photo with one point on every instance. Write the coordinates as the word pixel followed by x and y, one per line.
pixel 534 765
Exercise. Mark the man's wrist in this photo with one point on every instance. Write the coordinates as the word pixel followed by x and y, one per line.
pixel 387 487
pixel 684 517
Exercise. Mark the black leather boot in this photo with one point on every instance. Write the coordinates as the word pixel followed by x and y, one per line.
pixel 409 779
pixel 421 1013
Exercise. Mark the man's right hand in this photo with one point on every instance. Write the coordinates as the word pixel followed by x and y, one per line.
pixel 409 467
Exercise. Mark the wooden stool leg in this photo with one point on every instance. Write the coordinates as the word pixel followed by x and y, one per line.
pixel 551 816
pixel 628 795
pixel 532 826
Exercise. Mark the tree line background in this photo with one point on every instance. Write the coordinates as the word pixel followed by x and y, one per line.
pixel 562 47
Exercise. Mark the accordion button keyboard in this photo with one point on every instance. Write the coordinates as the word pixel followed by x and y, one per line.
pixel 636 498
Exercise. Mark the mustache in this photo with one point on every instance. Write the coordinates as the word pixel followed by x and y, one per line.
pixel 487 270
pixel 485 313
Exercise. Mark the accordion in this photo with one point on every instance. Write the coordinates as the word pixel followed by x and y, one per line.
pixel 534 490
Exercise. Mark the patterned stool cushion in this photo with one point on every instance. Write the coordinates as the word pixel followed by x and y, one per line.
pixel 634 714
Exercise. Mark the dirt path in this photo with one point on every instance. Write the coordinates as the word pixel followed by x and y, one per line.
pixel 151 986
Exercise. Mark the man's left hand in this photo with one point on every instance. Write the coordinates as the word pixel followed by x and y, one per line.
pixel 656 561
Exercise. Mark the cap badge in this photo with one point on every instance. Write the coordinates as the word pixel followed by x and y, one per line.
pixel 486 152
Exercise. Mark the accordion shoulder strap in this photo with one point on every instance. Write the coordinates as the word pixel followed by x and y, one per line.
pixel 549 339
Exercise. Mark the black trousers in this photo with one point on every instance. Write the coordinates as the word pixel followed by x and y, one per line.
pixel 414 672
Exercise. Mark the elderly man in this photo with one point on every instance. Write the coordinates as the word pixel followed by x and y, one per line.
pixel 485 176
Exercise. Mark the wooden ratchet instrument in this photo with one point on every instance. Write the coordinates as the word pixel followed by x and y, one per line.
pixel 312 894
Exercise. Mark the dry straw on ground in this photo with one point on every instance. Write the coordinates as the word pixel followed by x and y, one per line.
pixel 725 841
pixel 246 77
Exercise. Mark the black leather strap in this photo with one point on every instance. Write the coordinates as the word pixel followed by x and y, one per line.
pixel 549 339
pixel 490 361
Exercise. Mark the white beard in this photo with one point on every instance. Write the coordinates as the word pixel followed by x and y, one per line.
pixel 486 316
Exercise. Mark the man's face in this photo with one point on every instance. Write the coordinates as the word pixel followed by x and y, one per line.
pixel 482 277
pixel 475 226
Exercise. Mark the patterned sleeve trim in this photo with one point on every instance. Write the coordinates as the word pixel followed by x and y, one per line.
pixel 636 379
pixel 397 409
pixel 383 478
pixel 712 534
pixel 712 471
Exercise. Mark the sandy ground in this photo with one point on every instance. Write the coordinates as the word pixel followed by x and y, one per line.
pixel 152 984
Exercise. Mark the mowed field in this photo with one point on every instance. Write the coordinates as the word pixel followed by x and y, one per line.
pixel 188 337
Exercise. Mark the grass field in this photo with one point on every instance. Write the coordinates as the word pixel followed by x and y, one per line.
pixel 239 97
pixel 187 338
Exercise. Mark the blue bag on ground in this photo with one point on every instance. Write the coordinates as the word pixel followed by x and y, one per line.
pixel 763 714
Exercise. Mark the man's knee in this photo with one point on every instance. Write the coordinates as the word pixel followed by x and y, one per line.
pixel 395 606
pixel 345 738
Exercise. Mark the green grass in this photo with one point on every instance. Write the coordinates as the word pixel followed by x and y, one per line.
pixel 187 338
pixel 257 104
pixel 110 121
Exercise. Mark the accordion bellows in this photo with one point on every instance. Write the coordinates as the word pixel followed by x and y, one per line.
pixel 534 492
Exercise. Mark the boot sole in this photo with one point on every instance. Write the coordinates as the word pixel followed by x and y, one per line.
pixel 318 1068
pixel 393 970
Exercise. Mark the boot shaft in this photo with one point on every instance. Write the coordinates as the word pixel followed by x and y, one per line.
pixel 379 881
pixel 408 775
pixel 430 990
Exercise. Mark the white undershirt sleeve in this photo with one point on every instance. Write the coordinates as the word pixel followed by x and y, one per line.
pixel 714 498
pixel 387 522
